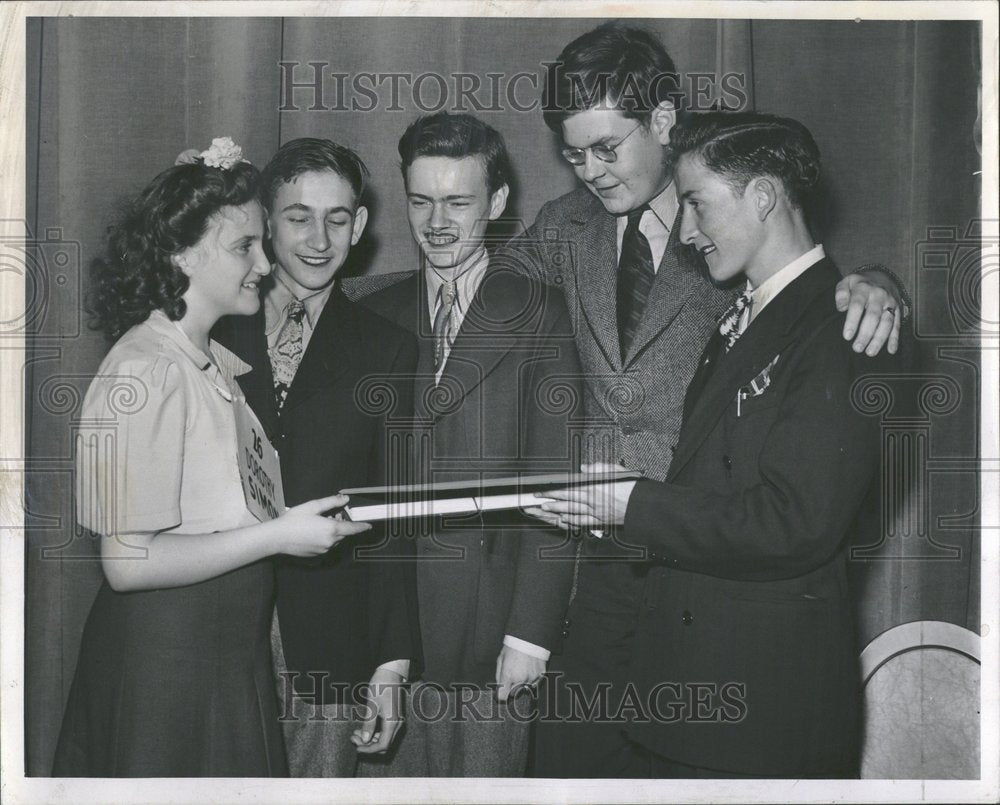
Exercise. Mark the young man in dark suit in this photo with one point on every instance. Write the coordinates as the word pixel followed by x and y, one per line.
pixel 744 657
pixel 495 398
pixel 642 307
pixel 348 618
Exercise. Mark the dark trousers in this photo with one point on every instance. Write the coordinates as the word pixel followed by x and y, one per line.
pixel 578 733
pixel 571 742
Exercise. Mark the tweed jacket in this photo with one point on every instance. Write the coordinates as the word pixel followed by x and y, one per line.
pixel 634 406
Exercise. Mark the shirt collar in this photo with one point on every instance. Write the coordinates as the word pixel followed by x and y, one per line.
pixel 782 278
pixel 665 206
pixel 467 278
pixel 280 295
pixel 664 209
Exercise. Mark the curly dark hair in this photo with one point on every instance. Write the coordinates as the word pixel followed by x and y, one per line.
pixel 136 275
pixel 741 145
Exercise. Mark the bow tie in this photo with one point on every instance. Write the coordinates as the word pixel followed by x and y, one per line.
pixel 729 323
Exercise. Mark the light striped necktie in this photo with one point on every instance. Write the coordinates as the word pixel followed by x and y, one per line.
pixel 729 323
pixel 286 354
pixel 442 322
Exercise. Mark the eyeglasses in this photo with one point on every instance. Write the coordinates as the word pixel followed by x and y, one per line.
pixel 605 153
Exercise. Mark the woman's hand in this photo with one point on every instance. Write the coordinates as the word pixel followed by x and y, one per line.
pixel 174 560
pixel 304 531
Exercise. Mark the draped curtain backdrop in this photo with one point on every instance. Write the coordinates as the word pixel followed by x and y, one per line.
pixel 892 106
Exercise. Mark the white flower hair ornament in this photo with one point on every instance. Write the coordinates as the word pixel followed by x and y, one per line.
pixel 223 153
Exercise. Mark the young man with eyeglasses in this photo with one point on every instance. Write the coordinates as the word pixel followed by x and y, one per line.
pixel 642 309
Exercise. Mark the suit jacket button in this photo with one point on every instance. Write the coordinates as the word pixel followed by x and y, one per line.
pixel 565 629
pixel 628 430
pixel 687 618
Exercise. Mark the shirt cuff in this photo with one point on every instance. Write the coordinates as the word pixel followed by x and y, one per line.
pixel 525 647
pixel 401 667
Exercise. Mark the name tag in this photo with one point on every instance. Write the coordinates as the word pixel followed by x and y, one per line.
pixel 260 469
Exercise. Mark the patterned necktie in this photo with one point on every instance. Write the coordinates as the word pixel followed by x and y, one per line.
pixel 635 278
pixel 442 323
pixel 729 324
pixel 286 353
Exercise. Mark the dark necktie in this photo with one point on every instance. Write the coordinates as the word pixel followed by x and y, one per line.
pixel 635 278
pixel 286 354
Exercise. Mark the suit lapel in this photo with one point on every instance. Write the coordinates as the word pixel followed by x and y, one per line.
pixel 679 275
pixel 714 350
pixel 334 345
pixel 597 279
pixel 402 299
pixel 500 308
pixel 420 326
pixel 720 379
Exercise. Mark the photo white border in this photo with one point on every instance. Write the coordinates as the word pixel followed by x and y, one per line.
pixel 16 788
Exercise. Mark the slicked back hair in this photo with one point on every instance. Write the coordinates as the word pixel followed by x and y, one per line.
pixel 742 145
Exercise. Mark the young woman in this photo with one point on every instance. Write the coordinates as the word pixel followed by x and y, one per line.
pixel 174 675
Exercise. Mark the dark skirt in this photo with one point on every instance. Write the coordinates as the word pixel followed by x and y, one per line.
pixel 176 683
